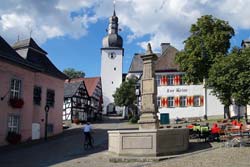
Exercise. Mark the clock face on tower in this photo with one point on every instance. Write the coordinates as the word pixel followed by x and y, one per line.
pixel 112 55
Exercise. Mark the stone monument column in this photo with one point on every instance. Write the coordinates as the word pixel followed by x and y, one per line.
pixel 148 118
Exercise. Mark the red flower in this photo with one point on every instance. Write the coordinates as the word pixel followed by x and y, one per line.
pixel 16 102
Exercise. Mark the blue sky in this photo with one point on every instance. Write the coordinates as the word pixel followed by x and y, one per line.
pixel 71 31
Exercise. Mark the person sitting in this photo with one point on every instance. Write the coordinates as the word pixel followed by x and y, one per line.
pixel 215 132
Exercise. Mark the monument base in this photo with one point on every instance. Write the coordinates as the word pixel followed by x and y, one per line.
pixel 156 142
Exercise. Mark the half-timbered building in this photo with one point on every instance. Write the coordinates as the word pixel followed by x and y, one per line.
pixel 76 102
pixel 93 88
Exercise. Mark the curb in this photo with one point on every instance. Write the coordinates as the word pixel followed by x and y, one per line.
pixel 127 159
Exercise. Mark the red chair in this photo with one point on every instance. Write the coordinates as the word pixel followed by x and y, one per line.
pixel 215 131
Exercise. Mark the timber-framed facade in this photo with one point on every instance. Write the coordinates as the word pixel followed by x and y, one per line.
pixel 76 102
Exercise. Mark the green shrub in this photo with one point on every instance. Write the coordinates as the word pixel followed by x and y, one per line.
pixel 133 120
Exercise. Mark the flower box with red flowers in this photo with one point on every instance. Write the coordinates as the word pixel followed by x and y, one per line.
pixel 13 137
pixel 16 102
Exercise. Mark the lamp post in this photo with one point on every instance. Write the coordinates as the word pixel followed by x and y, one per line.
pixel 46 108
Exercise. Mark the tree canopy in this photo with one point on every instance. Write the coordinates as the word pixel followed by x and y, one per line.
pixel 209 38
pixel 73 73
pixel 125 94
pixel 229 77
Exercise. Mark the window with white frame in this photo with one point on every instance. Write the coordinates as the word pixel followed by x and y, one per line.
pixel 182 82
pixel 15 88
pixel 183 101
pixel 170 101
pixel 158 80
pixel 196 101
pixel 170 79
pixel 13 123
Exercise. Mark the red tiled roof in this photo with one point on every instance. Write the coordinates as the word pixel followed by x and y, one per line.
pixel 90 83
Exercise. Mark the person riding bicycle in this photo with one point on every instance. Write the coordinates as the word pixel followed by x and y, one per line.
pixel 87 128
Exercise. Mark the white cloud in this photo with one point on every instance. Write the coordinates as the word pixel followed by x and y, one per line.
pixel 161 20
pixel 73 5
pixel 52 31
pixel 46 19
pixel 12 20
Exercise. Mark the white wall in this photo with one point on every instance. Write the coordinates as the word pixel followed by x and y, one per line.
pixel 214 107
pixel 111 74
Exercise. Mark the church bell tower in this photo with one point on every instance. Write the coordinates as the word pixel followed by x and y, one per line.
pixel 111 64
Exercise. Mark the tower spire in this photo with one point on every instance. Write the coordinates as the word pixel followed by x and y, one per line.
pixel 114 1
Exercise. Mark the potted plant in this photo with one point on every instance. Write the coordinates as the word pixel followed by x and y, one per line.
pixel 16 102
pixel 13 138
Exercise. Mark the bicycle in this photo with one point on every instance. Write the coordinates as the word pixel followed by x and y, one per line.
pixel 87 144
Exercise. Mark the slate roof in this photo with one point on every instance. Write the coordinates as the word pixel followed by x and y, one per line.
pixel 71 88
pixel 7 53
pixel 90 83
pixel 30 51
pixel 28 43
pixel 165 61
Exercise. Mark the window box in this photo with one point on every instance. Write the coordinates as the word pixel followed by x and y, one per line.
pixel 16 102
pixel 13 138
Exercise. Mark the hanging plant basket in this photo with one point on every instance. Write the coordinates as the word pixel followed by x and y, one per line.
pixel 16 102
pixel 13 138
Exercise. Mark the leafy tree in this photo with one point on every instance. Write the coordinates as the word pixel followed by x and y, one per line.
pixel 125 94
pixel 209 37
pixel 229 77
pixel 72 73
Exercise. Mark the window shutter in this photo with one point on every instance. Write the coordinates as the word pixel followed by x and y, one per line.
pixel 201 100
pixel 164 102
pixel 176 80
pixel 191 100
pixel 188 101
pixel 164 80
pixel 177 101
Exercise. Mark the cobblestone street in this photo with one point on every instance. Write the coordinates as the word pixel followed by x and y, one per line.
pixel 67 150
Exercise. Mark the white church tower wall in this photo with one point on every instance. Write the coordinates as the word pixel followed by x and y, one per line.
pixel 111 64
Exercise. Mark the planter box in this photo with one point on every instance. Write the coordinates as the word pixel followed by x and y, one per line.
pixel 16 103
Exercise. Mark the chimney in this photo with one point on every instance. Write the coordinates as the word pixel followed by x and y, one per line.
pixel 164 47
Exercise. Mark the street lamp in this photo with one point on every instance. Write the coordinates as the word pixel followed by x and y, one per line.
pixel 46 108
